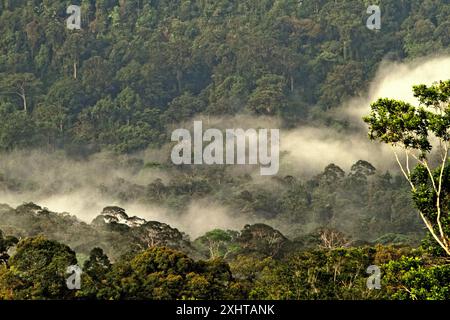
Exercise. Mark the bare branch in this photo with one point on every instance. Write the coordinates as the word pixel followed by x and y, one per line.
pixel 403 170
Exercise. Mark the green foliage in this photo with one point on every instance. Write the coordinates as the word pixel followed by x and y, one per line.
pixel 318 274
pixel 160 273
pixel 218 243
pixel 414 278
pixel 17 129
pixel 5 244
pixel 396 122
pixel 37 270
pixel 269 97
pixel 425 198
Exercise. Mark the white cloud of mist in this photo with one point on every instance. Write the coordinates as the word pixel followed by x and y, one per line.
pixel 204 216
pixel 311 148
pixel 201 216
pixel 62 184
pixel 395 80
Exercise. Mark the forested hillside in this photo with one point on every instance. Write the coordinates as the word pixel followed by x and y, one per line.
pixel 136 66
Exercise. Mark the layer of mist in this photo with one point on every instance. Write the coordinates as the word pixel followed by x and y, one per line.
pixel 66 185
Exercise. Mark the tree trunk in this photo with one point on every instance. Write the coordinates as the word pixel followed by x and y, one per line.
pixel 345 50
pixel 25 103
pixel 179 76
pixel 75 70
pixel 24 99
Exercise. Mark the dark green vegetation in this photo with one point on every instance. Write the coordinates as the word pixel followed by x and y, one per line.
pixel 37 270
pixel 138 66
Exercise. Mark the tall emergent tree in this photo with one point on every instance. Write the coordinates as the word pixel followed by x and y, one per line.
pixel 19 84
pixel 423 134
